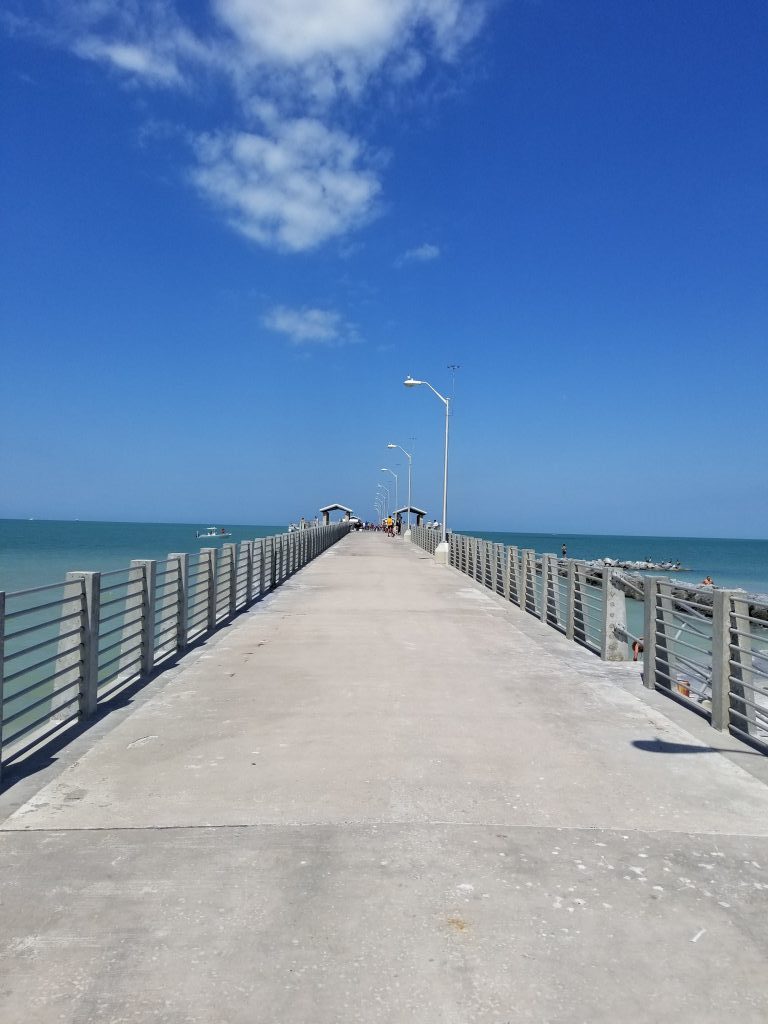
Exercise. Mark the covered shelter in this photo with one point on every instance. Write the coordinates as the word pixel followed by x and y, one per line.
pixel 403 513
pixel 327 509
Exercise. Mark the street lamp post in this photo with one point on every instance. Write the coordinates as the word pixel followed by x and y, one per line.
pixel 394 474
pixel 410 460
pixel 386 498
pixel 441 551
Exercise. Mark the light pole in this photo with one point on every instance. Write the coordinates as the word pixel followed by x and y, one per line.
pixel 387 498
pixel 441 551
pixel 394 474
pixel 410 460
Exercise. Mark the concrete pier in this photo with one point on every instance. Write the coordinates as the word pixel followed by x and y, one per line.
pixel 382 795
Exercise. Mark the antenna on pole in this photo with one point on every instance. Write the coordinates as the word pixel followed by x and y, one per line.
pixel 453 367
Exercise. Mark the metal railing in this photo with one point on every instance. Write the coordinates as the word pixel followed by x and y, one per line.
pixel 705 648
pixel 69 646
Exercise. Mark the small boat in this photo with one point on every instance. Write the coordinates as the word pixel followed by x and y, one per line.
pixel 212 533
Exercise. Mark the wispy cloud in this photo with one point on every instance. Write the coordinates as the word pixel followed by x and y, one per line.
pixel 297 180
pixel 311 326
pixel 421 254
pixel 291 189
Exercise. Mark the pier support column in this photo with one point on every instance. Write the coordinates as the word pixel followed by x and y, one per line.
pixel 182 560
pixel 212 554
pixel 89 646
pixel 2 674
pixel 148 599
pixel 614 609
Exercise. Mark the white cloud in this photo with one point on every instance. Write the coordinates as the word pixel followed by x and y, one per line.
pixel 138 60
pixel 296 181
pixel 314 326
pixel 421 254
pixel 291 189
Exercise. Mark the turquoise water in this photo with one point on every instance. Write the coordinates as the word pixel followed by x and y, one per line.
pixel 36 552
pixel 730 563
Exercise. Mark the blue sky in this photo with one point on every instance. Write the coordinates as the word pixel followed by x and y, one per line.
pixel 232 227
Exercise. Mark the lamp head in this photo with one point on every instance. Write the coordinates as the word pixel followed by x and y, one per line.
pixel 411 383
pixel 392 446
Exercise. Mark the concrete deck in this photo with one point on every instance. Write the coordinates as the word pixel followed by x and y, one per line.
pixel 383 796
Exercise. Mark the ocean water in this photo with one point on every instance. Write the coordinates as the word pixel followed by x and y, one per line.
pixel 730 563
pixel 37 552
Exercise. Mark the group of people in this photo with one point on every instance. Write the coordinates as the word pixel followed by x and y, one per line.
pixel 390 526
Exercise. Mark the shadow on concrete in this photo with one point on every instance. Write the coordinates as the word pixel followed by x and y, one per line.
pixel 658 746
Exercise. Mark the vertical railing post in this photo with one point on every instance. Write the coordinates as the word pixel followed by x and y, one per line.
pixel 740 665
pixel 212 555
pixel 2 675
pixel 614 615
pixel 548 609
pixel 89 644
pixel 229 554
pixel 721 640
pixel 514 574
pixel 528 602
pixel 655 650
pixel 182 612
pixel 506 575
pixel 148 568
pixel 579 610
pixel 262 565
pixel 246 548
pixel 570 594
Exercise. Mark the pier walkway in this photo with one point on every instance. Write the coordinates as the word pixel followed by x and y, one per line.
pixel 382 795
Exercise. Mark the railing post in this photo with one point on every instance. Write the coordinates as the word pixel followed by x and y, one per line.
pixel 89 644
pixel 246 548
pixel 262 565
pixel 570 594
pixel 528 602
pixel 212 556
pixel 148 568
pixel 229 554
pixel 614 611
pixel 579 604
pixel 740 665
pixel 2 675
pixel 548 609
pixel 506 575
pixel 653 652
pixel 721 639
pixel 182 558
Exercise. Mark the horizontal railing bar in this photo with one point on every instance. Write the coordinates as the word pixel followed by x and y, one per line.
pixel 45 699
pixel 759 708
pixel 123 615
pixel 43 643
pixel 40 721
pixel 46 586
pixel 39 664
pixel 174 614
pixel 42 607
pixel 137 569
pixel 123 639
pixel 164 632
pixel 44 682
pixel 123 599
pixel 41 625
pixel 119 628
pixel 118 657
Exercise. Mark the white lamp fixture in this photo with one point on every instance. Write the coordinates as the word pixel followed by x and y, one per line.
pixel 441 551
pixel 410 461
